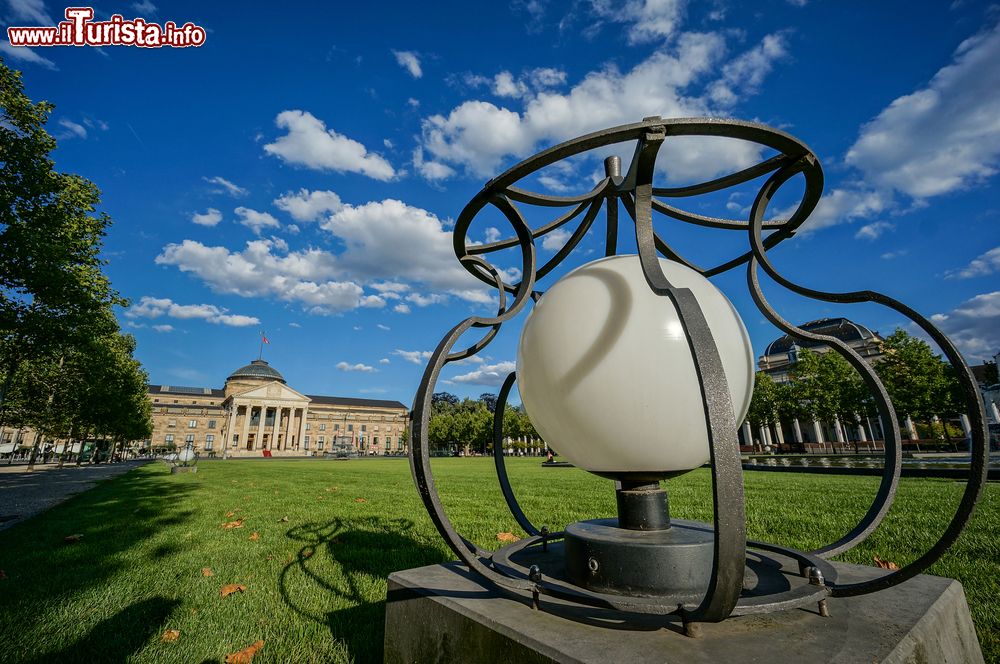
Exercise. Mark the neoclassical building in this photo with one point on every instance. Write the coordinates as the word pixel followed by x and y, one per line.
pixel 257 414
pixel 777 361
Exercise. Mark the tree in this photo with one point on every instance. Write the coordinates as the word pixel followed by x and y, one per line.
pixel 439 398
pixel 62 357
pixel 490 400
pixel 918 382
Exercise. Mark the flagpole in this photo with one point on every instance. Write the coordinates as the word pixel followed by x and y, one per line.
pixel 260 355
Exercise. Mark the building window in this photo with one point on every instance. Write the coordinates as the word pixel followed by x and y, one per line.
pixel 171 423
pixel 211 424
pixel 156 401
pixel 375 440
pixel 319 443
pixel 168 439
pixel 236 439
pixel 189 438
pixel 336 427
pixel 350 427
pixel 322 427
pixel 399 444
pixel 308 426
pixel 305 443
pixel 192 424
pixel 363 428
pixel 209 441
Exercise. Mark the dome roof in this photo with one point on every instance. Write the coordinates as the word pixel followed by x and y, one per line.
pixel 841 328
pixel 258 370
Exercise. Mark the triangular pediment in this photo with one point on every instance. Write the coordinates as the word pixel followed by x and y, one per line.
pixel 273 391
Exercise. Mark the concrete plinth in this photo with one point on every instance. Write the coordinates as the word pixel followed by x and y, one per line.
pixel 441 613
pixel 183 469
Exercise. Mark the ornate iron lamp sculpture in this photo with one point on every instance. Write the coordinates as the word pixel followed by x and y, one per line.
pixel 652 339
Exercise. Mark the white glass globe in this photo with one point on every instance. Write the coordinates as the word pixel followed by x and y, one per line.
pixel 186 456
pixel 606 374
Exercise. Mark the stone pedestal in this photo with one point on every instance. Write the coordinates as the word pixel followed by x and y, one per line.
pixel 183 469
pixel 441 613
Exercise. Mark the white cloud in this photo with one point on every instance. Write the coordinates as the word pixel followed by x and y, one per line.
pixel 744 74
pixel 410 61
pixel 985 264
pixel 309 143
pixel 898 253
pixel 843 205
pixel 873 230
pixel 425 300
pixel 30 12
pixel 210 217
pixel 227 187
pixel 306 205
pixel 488 374
pixel 650 20
pixel 384 360
pixel 364 368
pixel 401 308
pixel 163 328
pixel 254 220
pixel 505 85
pixel 25 54
pixel 294 324
pixel 555 240
pixel 388 247
pixel 385 328
pixel 304 276
pixel 414 356
pixel 942 137
pixel 73 128
pixel 429 169
pixel 413 102
pixel 151 307
pixel 974 326
pixel 479 136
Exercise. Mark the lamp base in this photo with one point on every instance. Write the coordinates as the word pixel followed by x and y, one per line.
pixel 675 561
pixel 444 614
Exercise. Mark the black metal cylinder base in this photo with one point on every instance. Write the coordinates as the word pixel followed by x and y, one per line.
pixel 603 557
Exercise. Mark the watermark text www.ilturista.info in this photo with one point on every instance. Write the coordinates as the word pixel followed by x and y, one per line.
pixel 80 29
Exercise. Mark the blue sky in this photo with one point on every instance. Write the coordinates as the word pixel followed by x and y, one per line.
pixel 299 173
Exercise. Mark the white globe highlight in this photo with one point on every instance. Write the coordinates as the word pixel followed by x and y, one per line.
pixel 606 374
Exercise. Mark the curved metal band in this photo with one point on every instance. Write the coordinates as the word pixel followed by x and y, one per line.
pixel 729 553
pixel 978 463
pixel 508 492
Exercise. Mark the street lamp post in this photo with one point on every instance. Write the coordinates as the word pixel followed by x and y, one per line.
pixel 645 347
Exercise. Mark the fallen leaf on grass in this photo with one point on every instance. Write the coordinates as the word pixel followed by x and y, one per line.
pixel 283 519
pixel 507 537
pixel 69 539
pixel 206 571
pixel 360 500
pixel 246 655
pixel 170 635
pixel 231 588
pixel 233 524
pixel 885 564
pixel 230 514
pixel 255 537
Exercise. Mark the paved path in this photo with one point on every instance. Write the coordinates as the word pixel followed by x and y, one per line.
pixel 24 494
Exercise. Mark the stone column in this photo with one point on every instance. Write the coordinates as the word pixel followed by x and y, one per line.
pixel 302 425
pixel 779 434
pixel 246 427
pixel 818 432
pixel 797 431
pixel 861 432
pixel 747 434
pixel 258 442
pixel 911 428
pixel 288 428
pixel 765 436
pixel 994 411
pixel 275 426
pixel 838 430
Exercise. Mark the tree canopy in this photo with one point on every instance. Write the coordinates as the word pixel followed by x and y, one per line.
pixel 65 366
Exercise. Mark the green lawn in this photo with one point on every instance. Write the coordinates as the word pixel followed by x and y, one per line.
pixel 315 584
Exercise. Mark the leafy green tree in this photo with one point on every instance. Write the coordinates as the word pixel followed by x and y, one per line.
pixel 919 383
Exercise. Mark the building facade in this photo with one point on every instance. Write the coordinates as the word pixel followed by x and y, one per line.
pixel 814 436
pixel 257 414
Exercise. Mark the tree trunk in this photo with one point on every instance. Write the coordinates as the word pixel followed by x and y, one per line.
pixel 34 450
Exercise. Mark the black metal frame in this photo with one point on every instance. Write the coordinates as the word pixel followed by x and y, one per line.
pixel 640 198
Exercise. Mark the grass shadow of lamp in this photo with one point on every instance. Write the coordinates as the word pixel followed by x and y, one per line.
pixel 184 461
pixel 637 368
